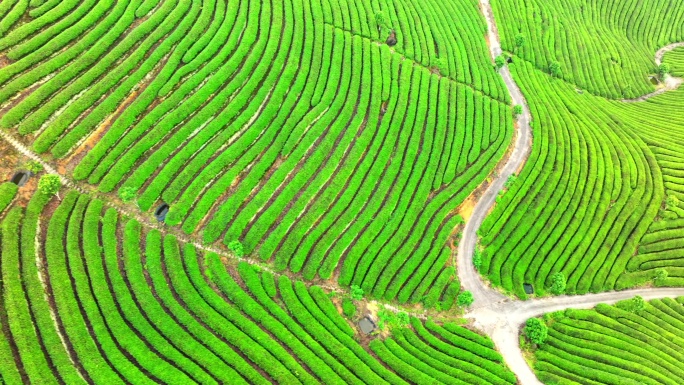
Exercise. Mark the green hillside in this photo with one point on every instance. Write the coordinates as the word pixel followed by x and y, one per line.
pixel 615 345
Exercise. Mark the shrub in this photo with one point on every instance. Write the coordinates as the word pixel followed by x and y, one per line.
pixel 348 308
pixel 477 259
pixel 555 69
pixel 633 305
pixel 237 248
pixel 517 110
pixel 127 194
pixel 519 40
pixel 33 166
pixel 392 320
pixel 536 331
pixel 465 299
pixel 663 70
pixel 558 283
pixel 49 184
pixel 500 61
pixel 356 292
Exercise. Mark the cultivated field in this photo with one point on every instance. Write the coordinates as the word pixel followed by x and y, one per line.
pixel 259 191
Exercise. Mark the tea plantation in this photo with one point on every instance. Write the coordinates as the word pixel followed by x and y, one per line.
pixel 260 191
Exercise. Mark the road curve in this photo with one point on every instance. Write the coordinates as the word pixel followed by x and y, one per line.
pixel 469 277
pixel 503 321
pixel 497 315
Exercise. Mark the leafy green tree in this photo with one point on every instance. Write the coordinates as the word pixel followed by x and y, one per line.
pixel 500 61
pixel 465 299
pixel 33 166
pixel 49 184
pixel 517 110
pixel 477 259
pixel 519 40
pixel 348 308
pixel 536 331
pixel 661 276
pixel 127 194
pixel 555 69
pixel 633 305
pixel 558 283
pixel 663 69
pixel 237 248
pixel 356 292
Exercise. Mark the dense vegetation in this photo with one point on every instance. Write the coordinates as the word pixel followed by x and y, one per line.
pixel 432 353
pixel 619 344
pixel 605 46
pixel 675 60
pixel 134 306
pixel 289 126
pixel 603 176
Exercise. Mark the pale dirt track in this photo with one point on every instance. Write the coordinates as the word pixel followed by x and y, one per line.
pixel 497 315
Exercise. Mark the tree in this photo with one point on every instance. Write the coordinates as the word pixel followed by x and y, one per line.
pixel 517 110
pixel 519 40
pixel 536 330
pixel 237 248
pixel 477 259
pixel 33 166
pixel 356 292
pixel 465 299
pixel 633 305
pixel 348 308
pixel 127 194
pixel 500 61
pixel 558 283
pixel 663 70
pixel 555 69
pixel 49 184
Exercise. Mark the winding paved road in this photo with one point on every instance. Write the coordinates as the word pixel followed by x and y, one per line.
pixel 497 315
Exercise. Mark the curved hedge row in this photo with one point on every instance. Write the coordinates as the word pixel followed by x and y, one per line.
pixel 605 46
pixel 89 296
pixel 675 59
pixel 289 126
pixel 434 354
pixel 609 345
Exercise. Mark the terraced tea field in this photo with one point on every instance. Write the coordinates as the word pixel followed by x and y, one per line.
pixel 614 345
pixel 341 192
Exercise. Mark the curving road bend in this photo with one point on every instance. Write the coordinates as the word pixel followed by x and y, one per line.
pixel 469 277
pixel 499 316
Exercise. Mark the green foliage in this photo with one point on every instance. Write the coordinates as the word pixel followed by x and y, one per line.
pixel 517 110
pixel 536 331
pixel 388 319
pixel 7 193
pixel 664 69
pixel 519 40
pixel 477 258
pixel 356 292
pixel 558 283
pixel 49 184
pixel 555 69
pixel 633 305
pixel 348 308
pixel 127 194
pixel 465 299
pixel 33 166
pixel 510 181
pixel 237 248
pixel 500 61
